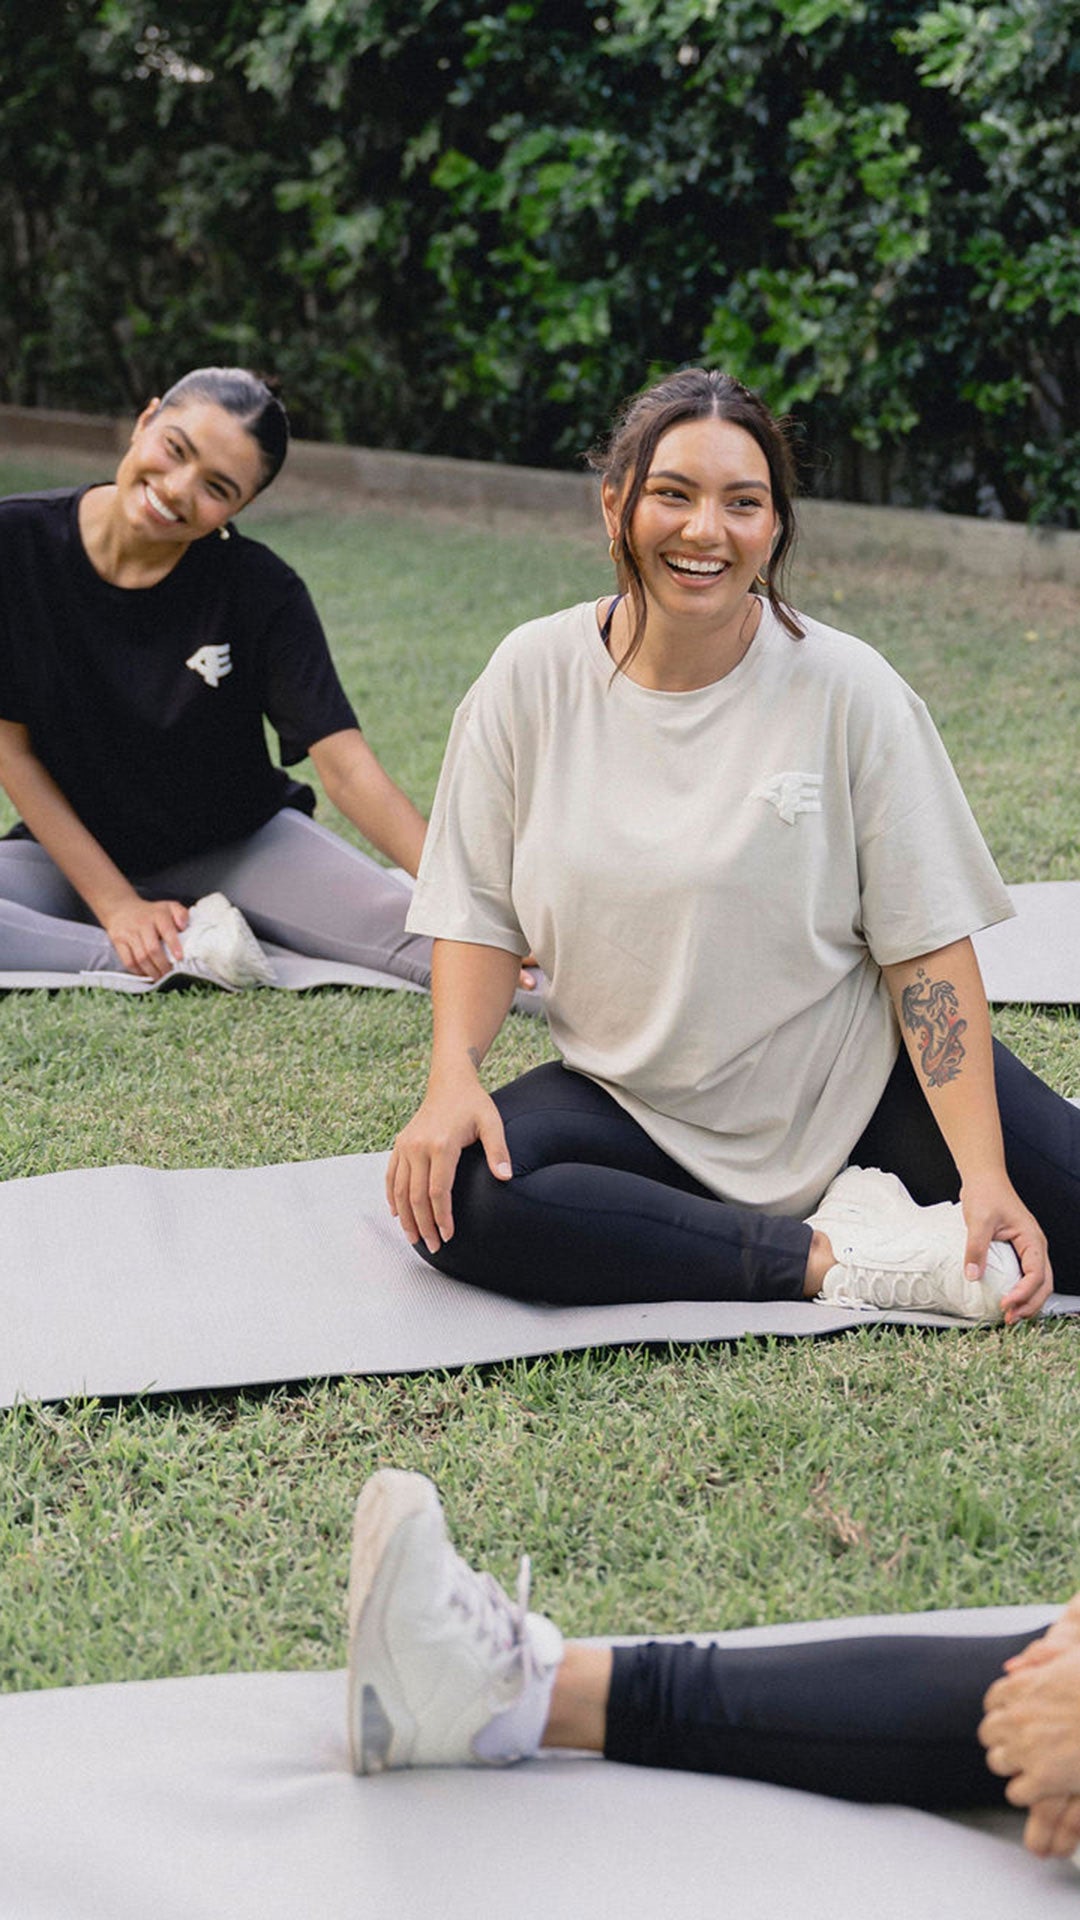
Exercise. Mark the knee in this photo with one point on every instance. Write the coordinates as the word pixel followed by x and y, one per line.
pixel 476 1198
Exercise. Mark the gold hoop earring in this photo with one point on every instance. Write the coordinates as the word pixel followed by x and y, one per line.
pixel 613 550
pixel 761 580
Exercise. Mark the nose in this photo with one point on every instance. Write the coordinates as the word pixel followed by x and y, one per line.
pixel 706 521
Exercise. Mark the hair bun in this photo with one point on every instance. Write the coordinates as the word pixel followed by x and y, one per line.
pixel 271 381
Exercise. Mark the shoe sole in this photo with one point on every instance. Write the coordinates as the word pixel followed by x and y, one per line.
pixel 979 1305
pixel 388 1502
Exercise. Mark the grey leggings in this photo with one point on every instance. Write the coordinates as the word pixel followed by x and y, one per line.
pixel 298 885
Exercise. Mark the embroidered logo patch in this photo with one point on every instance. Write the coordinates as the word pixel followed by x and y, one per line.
pixel 211 663
pixel 791 794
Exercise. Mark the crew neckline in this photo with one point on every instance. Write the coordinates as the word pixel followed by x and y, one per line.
pixel 718 690
pixel 97 580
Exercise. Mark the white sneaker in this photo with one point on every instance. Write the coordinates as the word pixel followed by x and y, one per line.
pixel 444 1669
pixel 219 945
pixel 892 1254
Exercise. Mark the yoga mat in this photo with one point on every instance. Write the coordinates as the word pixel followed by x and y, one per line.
pixel 230 1795
pixel 1036 957
pixel 117 1280
pixel 294 971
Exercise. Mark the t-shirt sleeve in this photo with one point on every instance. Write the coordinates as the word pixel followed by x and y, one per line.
pixel 303 697
pixel 463 888
pixel 927 877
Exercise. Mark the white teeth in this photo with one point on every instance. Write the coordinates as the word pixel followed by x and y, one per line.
pixel 159 505
pixel 696 566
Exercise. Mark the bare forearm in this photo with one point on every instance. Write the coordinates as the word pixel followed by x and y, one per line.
pixel 945 1023
pixel 471 990
pixel 393 824
pixel 359 786
pixel 56 826
pixel 472 987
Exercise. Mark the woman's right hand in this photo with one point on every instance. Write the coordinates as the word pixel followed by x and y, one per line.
pixel 146 934
pixel 455 1113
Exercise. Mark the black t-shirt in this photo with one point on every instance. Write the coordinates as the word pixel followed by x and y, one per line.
pixel 146 704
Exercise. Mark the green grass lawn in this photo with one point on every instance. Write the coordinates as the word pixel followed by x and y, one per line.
pixel 657 1490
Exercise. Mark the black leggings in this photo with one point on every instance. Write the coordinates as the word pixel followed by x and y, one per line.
pixel 596 1213
pixel 879 1719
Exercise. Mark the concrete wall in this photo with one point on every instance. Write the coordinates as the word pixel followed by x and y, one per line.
pixel 831 529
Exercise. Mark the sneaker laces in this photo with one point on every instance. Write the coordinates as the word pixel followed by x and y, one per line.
pixel 490 1613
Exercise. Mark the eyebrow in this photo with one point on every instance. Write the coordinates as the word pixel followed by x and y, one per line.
pixel 732 486
pixel 225 479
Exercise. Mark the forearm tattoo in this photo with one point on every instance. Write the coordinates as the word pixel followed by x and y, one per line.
pixel 931 1011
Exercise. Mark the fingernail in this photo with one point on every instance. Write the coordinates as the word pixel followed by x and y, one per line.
pixel 504 1169
pixel 971 1272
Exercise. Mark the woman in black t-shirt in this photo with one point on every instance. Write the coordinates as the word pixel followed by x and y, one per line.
pixel 142 641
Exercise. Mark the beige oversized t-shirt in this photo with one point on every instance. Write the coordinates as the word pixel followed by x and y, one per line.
pixel 711 881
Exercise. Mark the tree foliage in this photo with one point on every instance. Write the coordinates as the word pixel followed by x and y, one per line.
pixel 473 232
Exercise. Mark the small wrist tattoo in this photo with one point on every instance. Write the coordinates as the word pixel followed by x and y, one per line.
pixel 475 1056
pixel 931 1011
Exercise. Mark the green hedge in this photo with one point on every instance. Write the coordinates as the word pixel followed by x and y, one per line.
pixel 471 233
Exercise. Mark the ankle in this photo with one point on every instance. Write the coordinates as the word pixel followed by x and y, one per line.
pixel 819 1261
pixel 578 1713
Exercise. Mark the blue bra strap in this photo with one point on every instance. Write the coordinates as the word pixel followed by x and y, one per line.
pixel 605 631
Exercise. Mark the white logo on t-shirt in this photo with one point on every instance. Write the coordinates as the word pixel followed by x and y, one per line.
pixel 791 794
pixel 213 663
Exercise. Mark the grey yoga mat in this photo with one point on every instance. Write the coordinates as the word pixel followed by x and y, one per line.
pixel 294 971
pixel 229 1794
pixel 116 1280
pixel 1034 958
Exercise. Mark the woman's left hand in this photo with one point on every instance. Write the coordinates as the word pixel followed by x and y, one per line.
pixel 993 1210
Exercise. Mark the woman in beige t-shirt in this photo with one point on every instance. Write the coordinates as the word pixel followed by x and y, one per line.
pixel 734 842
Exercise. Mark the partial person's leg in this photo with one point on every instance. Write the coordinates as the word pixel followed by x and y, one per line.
pixel 445 1669
pixel 304 888
pixel 890 1718
pixel 596 1213
pixel 296 883
pixel 44 926
pixel 1042 1151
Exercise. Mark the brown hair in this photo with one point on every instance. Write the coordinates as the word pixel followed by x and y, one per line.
pixel 623 460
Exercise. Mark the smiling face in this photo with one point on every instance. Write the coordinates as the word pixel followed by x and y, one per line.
pixel 704 524
pixel 188 469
